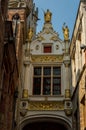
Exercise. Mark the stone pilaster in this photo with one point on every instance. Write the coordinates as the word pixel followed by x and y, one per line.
pixel 67 90
pixel 26 80
pixel 27 63
pixel 67 103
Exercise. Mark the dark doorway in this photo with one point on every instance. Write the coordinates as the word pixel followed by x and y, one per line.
pixel 44 126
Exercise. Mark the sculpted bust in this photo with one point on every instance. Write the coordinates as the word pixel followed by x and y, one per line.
pixel 47 16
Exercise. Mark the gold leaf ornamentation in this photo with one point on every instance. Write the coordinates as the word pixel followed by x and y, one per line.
pixel 46 106
pixel 40 38
pixel 54 38
pixel 47 58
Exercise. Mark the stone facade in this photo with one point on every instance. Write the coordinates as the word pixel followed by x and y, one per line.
pixel 36 107
pixel 65 106
pixel 78 67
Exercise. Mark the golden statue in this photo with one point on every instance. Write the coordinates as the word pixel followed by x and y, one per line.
pixel 47 16
pixel 30 34
pixel 65 33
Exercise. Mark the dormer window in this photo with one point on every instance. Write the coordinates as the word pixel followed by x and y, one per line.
pixel 47 48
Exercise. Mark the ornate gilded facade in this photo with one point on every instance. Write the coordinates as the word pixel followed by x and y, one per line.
pixel 45 53
pixel 44 76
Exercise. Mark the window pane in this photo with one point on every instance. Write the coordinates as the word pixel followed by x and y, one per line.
pixel 37 71
pixel 47 70
pixel 56 80
pixel 37 86
pixel 56 70
pixel 46 86
pixel 56 86
pixel 56 89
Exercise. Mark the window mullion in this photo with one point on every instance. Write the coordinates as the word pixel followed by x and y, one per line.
pixel 51 80
pixel 42 80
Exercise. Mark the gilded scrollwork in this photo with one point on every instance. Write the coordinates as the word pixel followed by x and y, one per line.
pixel 40 38
pixel 47 58
pixel 46 106
pixel 54 38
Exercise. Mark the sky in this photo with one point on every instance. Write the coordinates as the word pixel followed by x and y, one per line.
pixel 63 11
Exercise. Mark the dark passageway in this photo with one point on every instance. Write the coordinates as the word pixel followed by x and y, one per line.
pixel 44 126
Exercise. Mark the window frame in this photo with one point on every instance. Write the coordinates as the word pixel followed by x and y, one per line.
pixel 42 78
pixel 47 49
pixel 46 45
